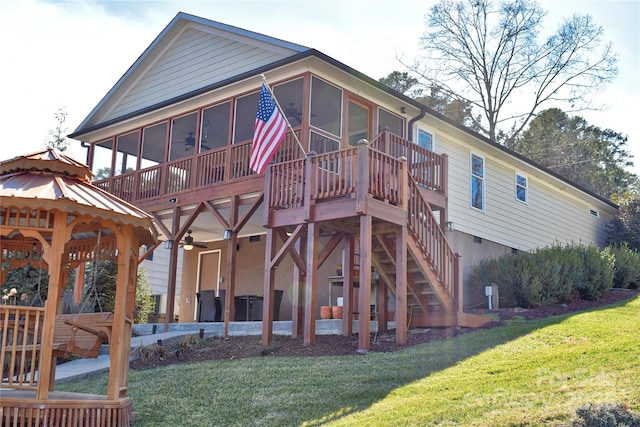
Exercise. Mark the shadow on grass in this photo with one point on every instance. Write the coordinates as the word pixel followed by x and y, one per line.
pixel 301 391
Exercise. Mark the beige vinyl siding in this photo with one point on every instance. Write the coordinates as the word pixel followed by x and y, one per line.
pixel 551 214
pixel 194 60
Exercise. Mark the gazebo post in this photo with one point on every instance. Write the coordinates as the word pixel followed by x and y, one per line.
pixel 52 255
pixel 120 340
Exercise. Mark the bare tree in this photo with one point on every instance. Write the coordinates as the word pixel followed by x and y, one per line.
pixel 489 55
pixel 57 138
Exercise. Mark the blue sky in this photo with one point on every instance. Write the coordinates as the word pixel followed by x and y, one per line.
pixel 69 54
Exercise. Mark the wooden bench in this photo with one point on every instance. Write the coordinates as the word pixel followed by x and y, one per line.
pixel 81 334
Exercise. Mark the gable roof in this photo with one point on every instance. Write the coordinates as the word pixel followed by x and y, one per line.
pixel 200 49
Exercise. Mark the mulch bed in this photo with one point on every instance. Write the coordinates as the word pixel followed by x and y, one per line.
pixel 337 345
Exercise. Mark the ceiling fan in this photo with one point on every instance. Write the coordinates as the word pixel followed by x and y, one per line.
pixel 189 244
pixel 292 113
pixel 190 142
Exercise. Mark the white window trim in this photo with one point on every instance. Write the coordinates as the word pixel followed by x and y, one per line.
pixel 526 188
pixel 433 137
pixel 594 212
pixel 484 182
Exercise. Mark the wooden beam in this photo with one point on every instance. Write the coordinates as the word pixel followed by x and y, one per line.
pixel 329 247
pixel 158 222
pixel 297 301
pixel 218 216
pixel 401 284
pixel 311 285
pixel 173 270
pixel 190 219
pixel 230 293
pixel 247 215
pixel 347 286
pixel 288 247
pixel 364 296
pixel 269 279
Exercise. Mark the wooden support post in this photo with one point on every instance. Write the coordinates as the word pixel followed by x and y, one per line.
pixel 269 279
pixel 401 284
pixel 381 304
pixel 297 305
pixel 457 283
pixel 173 269
pixel 364 296
pixel 347 286
pixel 230 293
pixel 362 187
pixel 311 285
pixel 124 303
pixel 53 257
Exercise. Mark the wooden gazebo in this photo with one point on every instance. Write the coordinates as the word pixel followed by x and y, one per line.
pixel 53 217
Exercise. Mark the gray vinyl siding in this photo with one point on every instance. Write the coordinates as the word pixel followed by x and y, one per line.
pixel 194 60
pixel 157 270
pixel 551 214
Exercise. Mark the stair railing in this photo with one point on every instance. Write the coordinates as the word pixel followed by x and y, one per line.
pixel 431 239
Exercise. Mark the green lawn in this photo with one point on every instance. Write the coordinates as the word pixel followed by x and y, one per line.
pixel 525 373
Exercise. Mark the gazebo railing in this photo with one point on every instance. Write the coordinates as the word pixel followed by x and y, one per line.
pixel 21 331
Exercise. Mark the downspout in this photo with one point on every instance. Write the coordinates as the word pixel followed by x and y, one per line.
pixel 87 146
pixel 412 121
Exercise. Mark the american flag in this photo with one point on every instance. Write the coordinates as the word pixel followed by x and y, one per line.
pixel 269 132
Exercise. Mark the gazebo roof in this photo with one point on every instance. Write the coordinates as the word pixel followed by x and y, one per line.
pixel 51 180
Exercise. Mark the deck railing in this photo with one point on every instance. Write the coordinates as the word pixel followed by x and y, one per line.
pixel 212 167
pixel 430 237
pixel 428 168
pixel 21 331
pixel 328 175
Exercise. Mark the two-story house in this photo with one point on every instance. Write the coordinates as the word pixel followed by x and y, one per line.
pixel 369 186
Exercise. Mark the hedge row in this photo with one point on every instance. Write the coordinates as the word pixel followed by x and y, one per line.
pixel 556 274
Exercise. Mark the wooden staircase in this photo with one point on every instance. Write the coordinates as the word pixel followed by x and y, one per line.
pixel 380 189
pixel 433 292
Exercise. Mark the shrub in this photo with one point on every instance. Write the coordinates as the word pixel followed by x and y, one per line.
pixel 144 298
pixel 551 275
pixel 626 274
pixel 597 267
pixel 604 416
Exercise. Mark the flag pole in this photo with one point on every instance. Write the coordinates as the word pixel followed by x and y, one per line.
pixel 264 79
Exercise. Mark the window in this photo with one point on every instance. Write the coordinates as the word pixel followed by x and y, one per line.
pixel 358 124
pixel 214 131
pixel 326 106
pixel 594 213
pixel 522 188
pixel 127 153
pixel 245 118
pixel 289 97
pixel 154 139
pixel 425 139
pixel 393 122
pixel 101 165
pixel 183 136
pixel 477 182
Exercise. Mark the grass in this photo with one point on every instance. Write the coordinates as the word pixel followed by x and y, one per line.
pixel 524 373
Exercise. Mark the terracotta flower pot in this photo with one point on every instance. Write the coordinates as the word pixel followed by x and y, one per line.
pixel 336 311
pixel 390 314
pixel 325 312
